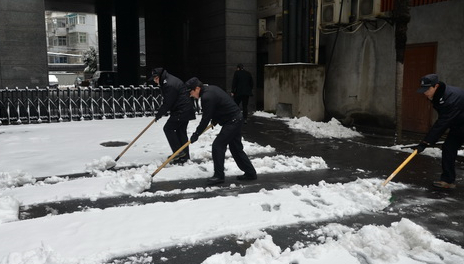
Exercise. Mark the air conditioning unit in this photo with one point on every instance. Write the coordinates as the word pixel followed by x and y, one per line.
pixel 369 9
pixel 330 12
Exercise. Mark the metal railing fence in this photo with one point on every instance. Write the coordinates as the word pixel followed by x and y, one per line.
pixel 38 105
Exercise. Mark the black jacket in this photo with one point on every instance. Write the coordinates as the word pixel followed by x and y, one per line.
pixel 176 98
pixel 448 101
pixel 218 107
pixel 242 83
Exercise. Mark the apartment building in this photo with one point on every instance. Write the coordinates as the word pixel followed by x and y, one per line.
pixel 69 35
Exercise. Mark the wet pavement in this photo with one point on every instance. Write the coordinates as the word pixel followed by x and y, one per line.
pixel 439 211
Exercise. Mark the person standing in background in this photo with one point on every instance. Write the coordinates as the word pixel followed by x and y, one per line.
pixel 242 86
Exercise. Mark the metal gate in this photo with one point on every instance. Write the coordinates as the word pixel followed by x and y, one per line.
pixel 38 105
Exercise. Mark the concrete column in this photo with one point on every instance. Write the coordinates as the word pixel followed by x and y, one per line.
pixel 241 36
pixel 105 37
pixel 23 46
pixel 127 39
pixel 153 38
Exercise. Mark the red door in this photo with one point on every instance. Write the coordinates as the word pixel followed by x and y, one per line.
pixel 417 111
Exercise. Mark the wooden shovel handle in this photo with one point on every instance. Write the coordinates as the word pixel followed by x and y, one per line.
pixel 176 153
pixel 399 168
pixel 135 139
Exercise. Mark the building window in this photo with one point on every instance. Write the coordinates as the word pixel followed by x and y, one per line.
pixel 59 41
pixel 75 19
pixel 72 20
pixel 59 22
pixel 83 38
pixel 58 59
pixel 62 59
pixel 77 38
pixel 82 19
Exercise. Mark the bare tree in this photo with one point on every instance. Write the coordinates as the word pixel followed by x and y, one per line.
pixel 401 18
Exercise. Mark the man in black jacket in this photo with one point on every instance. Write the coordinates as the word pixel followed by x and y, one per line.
pixel 242 85
pixel 176 100
pixel 448 101
pixel 219 108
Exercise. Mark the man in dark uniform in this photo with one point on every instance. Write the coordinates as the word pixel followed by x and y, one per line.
pixel 242 85
pixel 219 108
pixel 176 100
pixel 448 101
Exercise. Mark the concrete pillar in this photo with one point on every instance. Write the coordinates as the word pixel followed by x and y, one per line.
pixel 23 46
pixel 127 39
pixel 153 39
pixel 241 36
pixel 105 37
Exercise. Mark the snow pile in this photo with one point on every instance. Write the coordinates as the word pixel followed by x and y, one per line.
pixel 12 179
pixel 331 129
pixel 131 182
pixel 403 242
pixel 101 164
pixel 9 209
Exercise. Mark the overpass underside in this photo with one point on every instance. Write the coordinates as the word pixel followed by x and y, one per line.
pixel 205 38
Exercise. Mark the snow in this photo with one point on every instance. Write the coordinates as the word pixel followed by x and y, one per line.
pixel 34 158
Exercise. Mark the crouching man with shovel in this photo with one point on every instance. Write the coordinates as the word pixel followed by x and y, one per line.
pixel 220 108
pixel 175 100
pixel 448 101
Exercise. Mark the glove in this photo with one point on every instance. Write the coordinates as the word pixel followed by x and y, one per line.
pixel 194 137
pixel 157 117
pixel 421 146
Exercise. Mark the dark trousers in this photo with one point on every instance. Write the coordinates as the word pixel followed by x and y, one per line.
pixel 244 100
pixel 230 135
pixel 176 134
pixel 450 148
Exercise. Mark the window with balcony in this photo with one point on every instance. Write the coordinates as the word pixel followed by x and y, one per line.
pixel 59 22
pixel 77 38
pixel 75 19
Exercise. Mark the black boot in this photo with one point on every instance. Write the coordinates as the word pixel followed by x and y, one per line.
pixel 247 177
pixel 181 158
pixel 215 180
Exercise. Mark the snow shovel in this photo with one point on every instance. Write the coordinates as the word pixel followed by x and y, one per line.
pixel 176 153
pixel 399 168
pixel 130 144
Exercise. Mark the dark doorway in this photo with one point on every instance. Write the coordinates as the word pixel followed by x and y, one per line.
pixel 419 60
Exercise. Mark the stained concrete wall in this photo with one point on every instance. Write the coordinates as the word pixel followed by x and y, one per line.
pixel 360 81
pixel 294 89
pixel 23 48
pixel 360 85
